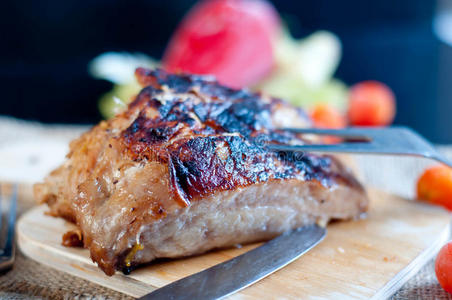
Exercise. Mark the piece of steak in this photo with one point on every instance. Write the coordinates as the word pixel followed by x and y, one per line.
pixel 185 170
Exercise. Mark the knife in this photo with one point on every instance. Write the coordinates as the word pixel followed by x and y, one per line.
pixel 242 271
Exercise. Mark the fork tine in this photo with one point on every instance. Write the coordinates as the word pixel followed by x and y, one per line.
pixel 343 147
pixel 7 257
pixel 397 140
pixel 350 132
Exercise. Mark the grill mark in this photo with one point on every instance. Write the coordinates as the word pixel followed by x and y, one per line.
pixel 195 116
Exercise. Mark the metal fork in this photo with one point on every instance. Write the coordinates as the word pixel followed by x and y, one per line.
pixel 389 140
pixel 7 246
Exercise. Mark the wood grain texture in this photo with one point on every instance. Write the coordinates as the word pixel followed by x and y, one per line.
pixel 360 259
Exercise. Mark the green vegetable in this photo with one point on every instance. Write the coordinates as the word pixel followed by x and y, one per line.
pixel 117 99
pixel 297 92
pixel 304 69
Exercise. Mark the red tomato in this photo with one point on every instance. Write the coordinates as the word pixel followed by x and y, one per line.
pixel 371 103
pixel 435 186
pixel 443 267
pixel 326 116
pixel 231 39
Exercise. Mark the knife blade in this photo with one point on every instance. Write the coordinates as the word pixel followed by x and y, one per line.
pixel 242 271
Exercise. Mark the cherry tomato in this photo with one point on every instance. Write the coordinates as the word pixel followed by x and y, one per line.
pixel 325 116
pixel 231 39
pixel 371 103
pixel 435 186
pixel 443 267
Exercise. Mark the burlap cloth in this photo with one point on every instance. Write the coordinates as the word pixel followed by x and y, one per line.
pixel 29 279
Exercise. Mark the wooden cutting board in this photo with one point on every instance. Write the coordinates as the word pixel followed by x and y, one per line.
pixel 358 259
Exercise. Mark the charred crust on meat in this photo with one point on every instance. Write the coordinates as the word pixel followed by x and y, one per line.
pixel 188 147
pixel 201 117
pixel 178 192
pixel 73 238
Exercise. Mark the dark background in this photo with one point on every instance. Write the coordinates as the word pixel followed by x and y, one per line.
pixel 46 46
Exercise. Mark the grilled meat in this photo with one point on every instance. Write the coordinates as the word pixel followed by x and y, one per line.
pixel 185 170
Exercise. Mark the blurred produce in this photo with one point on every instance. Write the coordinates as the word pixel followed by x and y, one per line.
pixel 117 99
pixel 325 116
pixel 243 43
pixel 119 68
pixel 371 103
pixel 435 186
pixel 304 69
pixel 232 39
pixel 443 267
